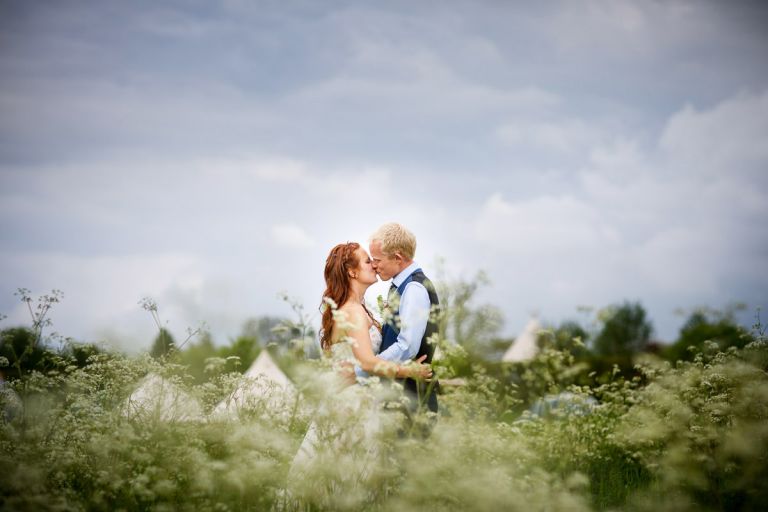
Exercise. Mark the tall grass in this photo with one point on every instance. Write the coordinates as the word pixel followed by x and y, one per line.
pixel 691 436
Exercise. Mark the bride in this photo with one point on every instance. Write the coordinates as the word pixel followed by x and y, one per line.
pixel 342 441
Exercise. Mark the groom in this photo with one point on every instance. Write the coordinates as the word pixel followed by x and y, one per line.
pixel 412 301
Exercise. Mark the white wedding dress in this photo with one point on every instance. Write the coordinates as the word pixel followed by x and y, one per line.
pixel 375 339
pixel 341 447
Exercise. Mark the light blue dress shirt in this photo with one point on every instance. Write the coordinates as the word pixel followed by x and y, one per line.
pixel 414 315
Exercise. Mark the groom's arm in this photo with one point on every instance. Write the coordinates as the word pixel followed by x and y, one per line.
pixel 414 315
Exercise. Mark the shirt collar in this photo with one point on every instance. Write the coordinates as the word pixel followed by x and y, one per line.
pixel 403 275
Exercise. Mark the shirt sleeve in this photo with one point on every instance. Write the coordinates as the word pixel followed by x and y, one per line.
pixel 414 315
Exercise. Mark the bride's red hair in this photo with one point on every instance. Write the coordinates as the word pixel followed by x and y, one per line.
pixel 341 260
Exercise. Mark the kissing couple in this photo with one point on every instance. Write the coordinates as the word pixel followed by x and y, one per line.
pixel 408 312
pixel 351 423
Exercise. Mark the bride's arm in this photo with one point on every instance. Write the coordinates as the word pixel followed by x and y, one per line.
pixel 361 348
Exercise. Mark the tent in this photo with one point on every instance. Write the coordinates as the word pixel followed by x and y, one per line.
pixel 158 398
pixel 265 366
pixel 524 347
pixel 264 389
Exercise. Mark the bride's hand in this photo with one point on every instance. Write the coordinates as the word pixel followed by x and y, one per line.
pixel 346 371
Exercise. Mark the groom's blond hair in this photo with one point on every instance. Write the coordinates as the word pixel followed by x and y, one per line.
pixel 394 238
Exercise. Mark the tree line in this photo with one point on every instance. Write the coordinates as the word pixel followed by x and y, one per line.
pixel 610 341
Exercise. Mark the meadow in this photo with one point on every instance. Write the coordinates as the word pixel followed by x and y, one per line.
pixel 665 435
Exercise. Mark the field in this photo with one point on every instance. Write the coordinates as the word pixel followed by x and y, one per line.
pixel 690 435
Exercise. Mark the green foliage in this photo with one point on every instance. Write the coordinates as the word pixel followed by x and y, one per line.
pixel 163 344
pixel 626 331
pixel 702 326
pixel 702 430
pixel 198 356
pixel 550 372
pixel 195 355
pixel 691 436
pixel 18 345
pixel 25 348
pixel 568 336
pixel 262 329
pixel 39 311
pixel 76 448
pixel 473 327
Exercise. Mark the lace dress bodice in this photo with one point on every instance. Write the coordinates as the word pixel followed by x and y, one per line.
pixel 342 351
pixel 375 339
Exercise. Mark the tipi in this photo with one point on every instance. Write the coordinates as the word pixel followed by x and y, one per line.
pixel 264 366
pixel 158 398
pixel 524 347
pixel 264 388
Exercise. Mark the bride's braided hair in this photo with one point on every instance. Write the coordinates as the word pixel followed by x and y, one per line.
pixel 340 261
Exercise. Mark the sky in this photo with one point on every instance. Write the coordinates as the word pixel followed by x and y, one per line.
pixel 208 154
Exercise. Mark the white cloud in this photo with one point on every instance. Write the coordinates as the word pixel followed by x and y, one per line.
pixel 671 223
pixel 543 224
pixel 338 184
pixel 403 77
pixel 292 236
pixel 680 260
pixel 366 187
pixel 438 98
pixel 618 156
pixel 162 21
pixel 564 135
pixel 731 137
pixel 624 27
pixel 279 170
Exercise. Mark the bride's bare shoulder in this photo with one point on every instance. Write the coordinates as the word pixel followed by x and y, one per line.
pixel 353 313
